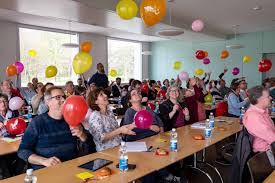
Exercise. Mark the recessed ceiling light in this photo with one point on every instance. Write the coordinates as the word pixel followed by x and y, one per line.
pixel 257 8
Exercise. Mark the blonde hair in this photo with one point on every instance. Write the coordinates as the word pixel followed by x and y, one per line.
pixel 169 90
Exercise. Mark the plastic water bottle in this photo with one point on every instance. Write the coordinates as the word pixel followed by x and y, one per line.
pixel 273 108
pixel 123 157
pixel 214 103
pixel 29 178
pixel 119 101
pixel 211 120
pixel 242 114
pixel 157 108
pixel 29 116
pixel 208 130
pixel 174 141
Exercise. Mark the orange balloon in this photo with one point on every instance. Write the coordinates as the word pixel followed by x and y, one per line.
pixel 86 46
pixel 11 70
pixel 206 54
pixel 152 11
pixel 224 54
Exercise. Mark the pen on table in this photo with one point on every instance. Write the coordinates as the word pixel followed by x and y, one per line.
pixel 150 148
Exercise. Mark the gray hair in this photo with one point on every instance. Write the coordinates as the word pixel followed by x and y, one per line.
pixel 255 93
pixel 48 93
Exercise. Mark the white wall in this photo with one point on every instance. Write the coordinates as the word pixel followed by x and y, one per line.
pixel 8 46
pixel 145 60
pixel 98 52
pixel 271 72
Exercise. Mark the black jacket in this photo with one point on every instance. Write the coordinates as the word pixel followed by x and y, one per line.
pixel 242 153
pixel 165 108
pixel 116 91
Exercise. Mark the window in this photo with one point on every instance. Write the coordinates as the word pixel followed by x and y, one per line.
pixel 48 45
pixel 125 57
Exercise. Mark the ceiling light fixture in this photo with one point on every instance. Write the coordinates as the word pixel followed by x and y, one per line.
pixel 170 32
pixel 257 8
pixel 235 46
pixel 70 44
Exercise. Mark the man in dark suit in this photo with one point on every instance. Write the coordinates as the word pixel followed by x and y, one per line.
pixel 116 88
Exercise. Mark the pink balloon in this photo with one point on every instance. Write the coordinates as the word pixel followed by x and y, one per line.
pixel 19 66
pixel 235 71
pixel 206 61
pixel 15 103
pixel 197 25
pixel 184 76
pixel 143 119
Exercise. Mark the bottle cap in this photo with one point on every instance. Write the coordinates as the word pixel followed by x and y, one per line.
pixel 29 171
pixel 173 129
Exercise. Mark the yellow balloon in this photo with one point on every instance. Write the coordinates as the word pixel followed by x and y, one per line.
pixel 82 62
pixel 177 65
pixel 247 59
pixel 126 9
pixel 113 73
pixel 51 71
pixel 32 53
pixel 208 98
pixel 199 72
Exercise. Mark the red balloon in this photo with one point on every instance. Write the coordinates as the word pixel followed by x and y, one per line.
pixel 74 110
pixel 145 88
pixel 152 106
pixel 143 119
pixel 16 126
pixel 200 54
pixel 265 65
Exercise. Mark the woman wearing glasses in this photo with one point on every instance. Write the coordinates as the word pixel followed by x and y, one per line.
pixel 173 113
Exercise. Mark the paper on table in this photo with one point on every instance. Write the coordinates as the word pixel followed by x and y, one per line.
pixel 198 125
pixel 136 146
pixel 8 139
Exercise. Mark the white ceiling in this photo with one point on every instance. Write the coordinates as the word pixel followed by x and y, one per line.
pixel 218 15
pixel 98 16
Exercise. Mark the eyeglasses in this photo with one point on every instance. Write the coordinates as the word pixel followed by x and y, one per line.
pixel 58 97
pixel 3 101
pixel 174 91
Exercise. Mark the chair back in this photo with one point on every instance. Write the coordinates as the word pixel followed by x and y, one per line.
pixel 259 167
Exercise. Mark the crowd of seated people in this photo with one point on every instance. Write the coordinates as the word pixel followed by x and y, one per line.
pixel 49 140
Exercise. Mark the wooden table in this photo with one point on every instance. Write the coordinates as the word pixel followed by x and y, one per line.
pixel 146 162
pixel 8 147
pixel 66 172
pixel 186 144
pixel 270 178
